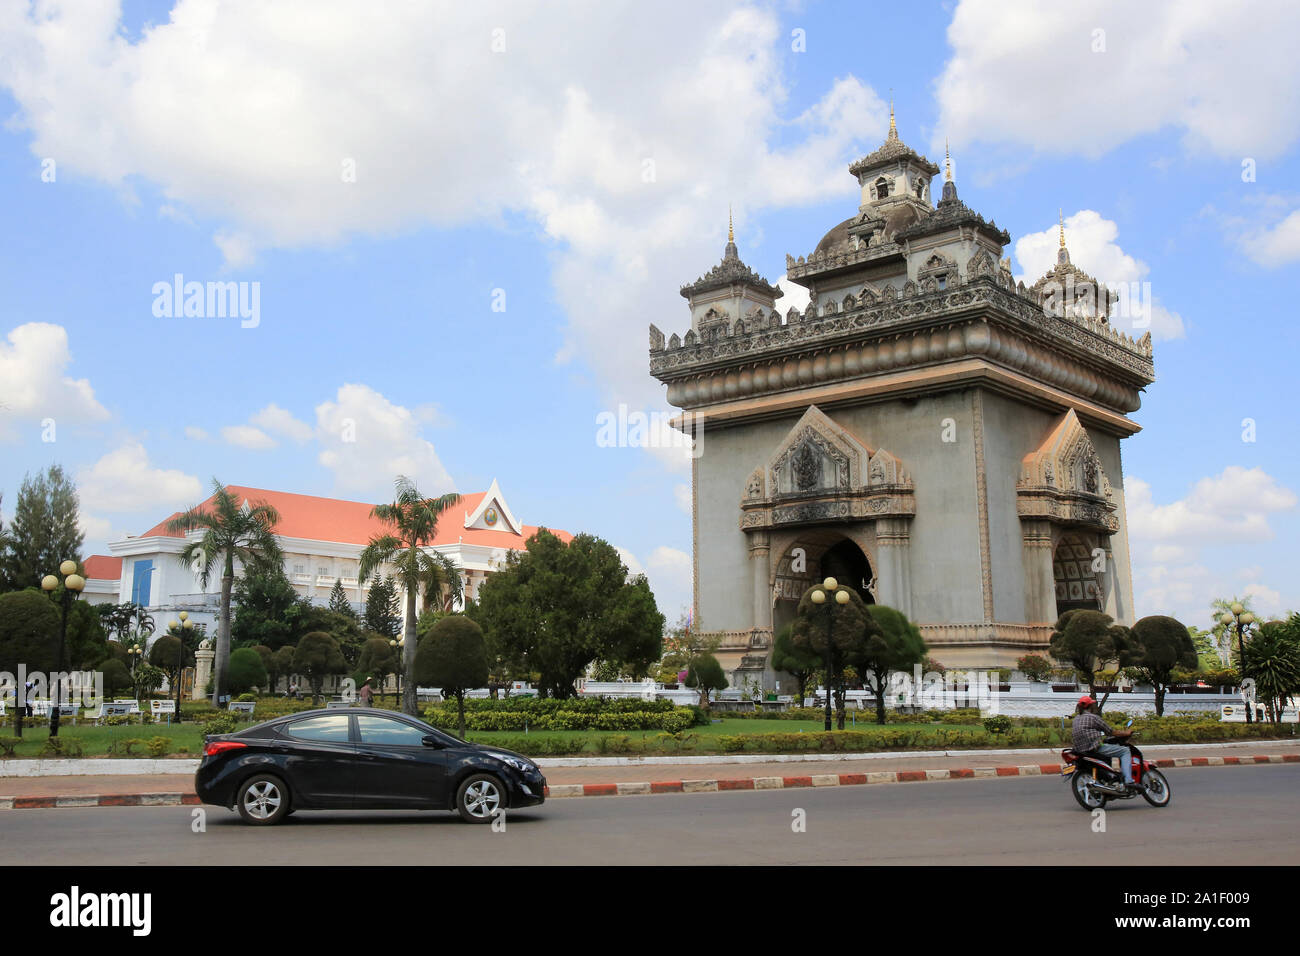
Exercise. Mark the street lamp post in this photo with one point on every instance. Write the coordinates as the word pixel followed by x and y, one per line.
pixel 184 626
pixel 396 645
pixel 1238 616
pixel 72 585
pixel 822 596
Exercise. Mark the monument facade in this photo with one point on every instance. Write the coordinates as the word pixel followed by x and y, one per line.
pixel 941 437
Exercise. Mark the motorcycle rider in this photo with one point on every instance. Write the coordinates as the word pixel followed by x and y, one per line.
pixel 1087 732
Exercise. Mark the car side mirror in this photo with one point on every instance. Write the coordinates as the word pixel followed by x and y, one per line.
pixel 429 740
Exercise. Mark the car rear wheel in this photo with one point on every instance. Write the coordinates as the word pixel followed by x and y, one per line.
pixel 480 798
pixel 263 800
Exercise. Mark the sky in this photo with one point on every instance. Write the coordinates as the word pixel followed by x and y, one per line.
pixel 451 225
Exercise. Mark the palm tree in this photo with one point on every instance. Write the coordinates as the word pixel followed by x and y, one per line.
pixel 414 520
pixel 232 531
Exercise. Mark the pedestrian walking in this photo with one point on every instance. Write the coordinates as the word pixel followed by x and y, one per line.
pixel 367 694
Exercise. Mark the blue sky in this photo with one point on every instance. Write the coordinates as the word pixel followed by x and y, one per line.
pixel 582 162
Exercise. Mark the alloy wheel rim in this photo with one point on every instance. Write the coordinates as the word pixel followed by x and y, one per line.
pixel 1090 797
pixel 262 800
pixel 482 799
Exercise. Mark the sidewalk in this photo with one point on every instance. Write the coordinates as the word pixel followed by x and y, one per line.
pixel 629 779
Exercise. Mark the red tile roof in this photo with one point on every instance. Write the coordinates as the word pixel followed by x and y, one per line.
pixel 349 522
pixel 103 567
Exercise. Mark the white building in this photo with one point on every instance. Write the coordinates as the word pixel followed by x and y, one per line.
pixel 322 540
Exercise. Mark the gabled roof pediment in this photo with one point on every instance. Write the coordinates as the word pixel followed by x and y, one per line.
pixel 493 514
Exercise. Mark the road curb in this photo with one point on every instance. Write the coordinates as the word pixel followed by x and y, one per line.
pixel 717 785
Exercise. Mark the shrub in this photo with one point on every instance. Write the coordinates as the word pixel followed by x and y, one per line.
pixel 117 720
pixel 158 746
pixel 245 698
pixel 62 747
pixel 7 745
pixel 221 724
pixel 997 724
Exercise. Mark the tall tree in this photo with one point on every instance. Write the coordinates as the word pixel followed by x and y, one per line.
pixel 556 607
pixel 231 533
pixel 849 627
pixel 1157 646
pixel 1087 641
pixel 1274 664
pixel 267 608
pixel 339 602
pixel 45 530
pixel 798 662
pixel 454 658
pixel 413 523
pixel 383 608
pixel 316 657
pixel 891 643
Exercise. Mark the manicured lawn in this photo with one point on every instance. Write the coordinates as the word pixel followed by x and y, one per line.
pixel 95 741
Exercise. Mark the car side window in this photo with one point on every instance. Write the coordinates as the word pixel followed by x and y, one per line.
pixel 385 730
pixel 329 727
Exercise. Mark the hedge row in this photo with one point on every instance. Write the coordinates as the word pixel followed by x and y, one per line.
pixel 673 720
pixel 583 705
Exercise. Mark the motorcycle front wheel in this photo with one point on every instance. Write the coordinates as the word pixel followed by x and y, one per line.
pixel 1088 798
pixel 1156 788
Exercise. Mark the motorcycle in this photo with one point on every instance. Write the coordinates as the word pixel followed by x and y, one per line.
pixel 1094 782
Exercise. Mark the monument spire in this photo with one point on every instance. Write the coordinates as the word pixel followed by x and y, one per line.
pixel 947 161
pixel 1062 254
pixel 893 127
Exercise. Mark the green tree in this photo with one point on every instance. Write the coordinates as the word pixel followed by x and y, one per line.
pixel 45 529
pixel 454 658
pixel 246 670
pixel 849 627
pixel 890 643
pixel 413 524
pixel 1087 641
pixel 553 609
pixel 116 677
pixel 1157 646
pixel 231 532
pixel 681 645
pixel 342 627
pixel 116 618
pixel 705 674
pixel 383 613
pixel 1036 667
pixel 29 631
pixel 146 679
pixel 799 662
pixel 267 609
pixel 1273 661
pixel 339 602
pixel 316 657
pixel 268 662
pixel 87 641
pixel 169 654
pixel 283 665
pixel 377 659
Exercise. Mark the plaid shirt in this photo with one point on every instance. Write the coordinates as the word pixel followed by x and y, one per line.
pixel 1087 731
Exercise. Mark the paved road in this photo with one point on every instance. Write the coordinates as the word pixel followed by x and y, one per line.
pixel 1217 814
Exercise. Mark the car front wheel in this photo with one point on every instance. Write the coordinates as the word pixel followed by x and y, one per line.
pixel 263 800
pixel 480 798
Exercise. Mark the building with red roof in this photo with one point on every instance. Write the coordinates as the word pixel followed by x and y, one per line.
pixel 322 540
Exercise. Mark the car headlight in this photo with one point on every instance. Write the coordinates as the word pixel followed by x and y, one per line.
pixel 523 766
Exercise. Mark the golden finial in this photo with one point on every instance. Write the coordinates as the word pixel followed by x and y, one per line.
pixel 893 129
pixel 947 161
pixel 1061 215
pixel 731 230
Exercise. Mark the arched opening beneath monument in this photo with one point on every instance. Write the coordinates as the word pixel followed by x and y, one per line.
pixel 1077 587
pixel 815 557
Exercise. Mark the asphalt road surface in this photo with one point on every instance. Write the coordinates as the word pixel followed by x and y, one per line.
pixel 1217 814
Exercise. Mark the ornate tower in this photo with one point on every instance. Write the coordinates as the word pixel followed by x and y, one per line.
pixel 928 430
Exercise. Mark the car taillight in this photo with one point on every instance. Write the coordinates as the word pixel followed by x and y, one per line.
pixel 221 746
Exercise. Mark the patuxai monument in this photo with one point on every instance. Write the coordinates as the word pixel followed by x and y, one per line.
pixel 929 430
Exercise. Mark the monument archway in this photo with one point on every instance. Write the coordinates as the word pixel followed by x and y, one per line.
pixel 812 557
pixel 1077 584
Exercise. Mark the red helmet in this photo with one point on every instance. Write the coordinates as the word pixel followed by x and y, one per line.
pixel 1086 701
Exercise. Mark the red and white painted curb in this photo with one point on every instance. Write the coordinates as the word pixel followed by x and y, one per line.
pixel 678 786
pixel 857 779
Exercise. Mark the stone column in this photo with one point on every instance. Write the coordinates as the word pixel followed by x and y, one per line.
pixel 760 565
pixel 203 659
pixel 1040 585
pixel 1112 601
pixel 894 552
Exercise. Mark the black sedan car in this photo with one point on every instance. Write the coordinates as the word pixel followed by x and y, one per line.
pixel 360 759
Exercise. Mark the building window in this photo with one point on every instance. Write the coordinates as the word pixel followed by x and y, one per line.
pixel 300 569
pixel 142 576
pixel 882 187
pixel 322 571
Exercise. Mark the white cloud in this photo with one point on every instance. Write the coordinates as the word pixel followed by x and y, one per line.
pixel 682 495
pixel 194 433
pixel 1174 545
pixel 246 436
pixel 1275 245
pixel 125 481
pixel 794 296
pixel 670 575
pixel 1230 83
pixel 278 421
pixel 367 441
pixel 559 127
pixel 1090 240
pixel 33 383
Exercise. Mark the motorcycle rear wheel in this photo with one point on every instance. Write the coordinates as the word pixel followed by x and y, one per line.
pixel 1088 798
pixel 1156 789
